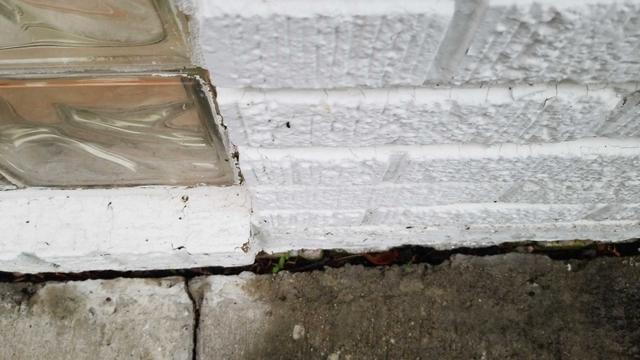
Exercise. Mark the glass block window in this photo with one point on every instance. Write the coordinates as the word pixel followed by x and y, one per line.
pixel 61 35
pixel 109 130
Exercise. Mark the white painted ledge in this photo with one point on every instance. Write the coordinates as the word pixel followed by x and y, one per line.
pixel 377 238
pixel 136 228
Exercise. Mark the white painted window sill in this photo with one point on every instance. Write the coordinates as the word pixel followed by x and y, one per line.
pixel 138 228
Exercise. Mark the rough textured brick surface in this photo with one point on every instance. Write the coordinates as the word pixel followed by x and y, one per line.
pixel 368 124
pixel 347 197
pixel 456 225
pixel 382 237
pixel 592 160
pixel 98 319
pixel 582 41
pixel 452 215
pixel 321 43
pixel 446 195
pixel 333 43
pixel 423 116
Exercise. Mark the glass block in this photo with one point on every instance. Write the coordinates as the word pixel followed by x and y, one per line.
pixel 50 35
pixel 110 131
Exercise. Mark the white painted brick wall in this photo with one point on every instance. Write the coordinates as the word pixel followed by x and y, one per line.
pixel 423 116
pixel 366 124
pixel 533 40
pixel 301 197
pixel 583 160
pixel 375 43
pixel 370 124
pixel 363 238
pixel 453 215
pixel 578 187
pixel 321 43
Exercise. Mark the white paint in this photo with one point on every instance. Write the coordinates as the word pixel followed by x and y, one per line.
pixel 382 237
pixel 459 214
pixel 335 43
pixel 324 43
pixel 563 4
pixel 423 116
pixel 525 41
pixel 425 95
pixel 568 149
pixel 303 9
pixel 519 191
pixel 124 228
pixel 187 7
pixel 371 198
pixel 379 159
pixel 349 140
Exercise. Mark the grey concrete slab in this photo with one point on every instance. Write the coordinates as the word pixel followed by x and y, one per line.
pixel 501 307
pixel 97 319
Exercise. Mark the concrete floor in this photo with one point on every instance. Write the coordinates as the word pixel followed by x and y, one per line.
pixel 512 306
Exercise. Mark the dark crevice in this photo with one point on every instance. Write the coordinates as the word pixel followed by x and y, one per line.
pixel 196 319
pixel 265 264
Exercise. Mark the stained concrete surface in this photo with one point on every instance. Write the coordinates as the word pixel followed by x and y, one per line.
pixel 98 319
pixel 502 307
pixel 512 306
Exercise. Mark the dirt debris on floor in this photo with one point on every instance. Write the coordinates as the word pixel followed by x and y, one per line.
pixel 316 259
